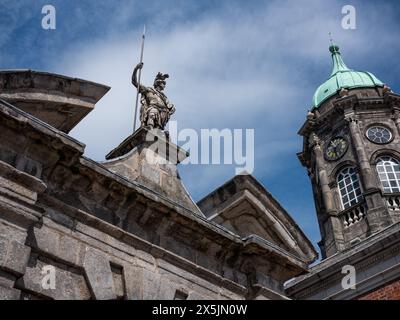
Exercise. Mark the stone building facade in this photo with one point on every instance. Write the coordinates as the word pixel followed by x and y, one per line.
pixel 126 228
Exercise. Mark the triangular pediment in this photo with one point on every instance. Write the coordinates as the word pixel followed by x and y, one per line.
pixel 244 206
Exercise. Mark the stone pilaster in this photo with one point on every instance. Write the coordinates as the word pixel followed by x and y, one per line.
pixel 396 120
pixel 377 215
pixel 332 227
pixel 323 176
pixel 363 161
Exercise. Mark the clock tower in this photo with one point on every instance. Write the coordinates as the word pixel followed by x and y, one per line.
pixel 351 151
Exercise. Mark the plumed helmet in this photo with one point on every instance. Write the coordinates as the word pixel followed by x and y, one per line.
pixel 160 78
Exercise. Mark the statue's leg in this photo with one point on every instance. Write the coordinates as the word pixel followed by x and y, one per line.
pixel 157 120
pixel 152 119
pixel 163 120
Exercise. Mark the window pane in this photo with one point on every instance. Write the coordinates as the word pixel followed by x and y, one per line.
pixel 388 170
pixel 385 184
pixel 349 187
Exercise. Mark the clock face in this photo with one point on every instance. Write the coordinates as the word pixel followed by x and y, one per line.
pixel 336 148
pixel 379 135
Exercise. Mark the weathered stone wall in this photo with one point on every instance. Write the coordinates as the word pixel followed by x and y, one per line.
pixel 90 264
pixel 92 259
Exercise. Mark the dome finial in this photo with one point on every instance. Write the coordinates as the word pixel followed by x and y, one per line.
pixel 330 37
pixel 338 63
pixel 333 48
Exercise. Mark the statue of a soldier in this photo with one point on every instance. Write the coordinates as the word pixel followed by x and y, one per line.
pixel 155 108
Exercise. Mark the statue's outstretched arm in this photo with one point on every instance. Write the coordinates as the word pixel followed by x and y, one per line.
pixel 139 66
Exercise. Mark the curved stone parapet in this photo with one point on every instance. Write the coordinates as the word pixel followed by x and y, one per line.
pixel 57 100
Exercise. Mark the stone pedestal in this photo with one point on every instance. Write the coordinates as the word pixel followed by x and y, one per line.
pixel 148 157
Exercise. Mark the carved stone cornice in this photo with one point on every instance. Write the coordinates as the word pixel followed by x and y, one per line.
pixel 351 118
pixel 373 101
pixel 307 127
pixel 346 101
pixel 392 99
pixel 18 196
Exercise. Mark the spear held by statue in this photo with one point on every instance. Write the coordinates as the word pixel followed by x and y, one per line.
pixel 138 81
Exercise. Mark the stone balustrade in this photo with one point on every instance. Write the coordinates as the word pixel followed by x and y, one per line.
pixel 393 202
pixel 354 214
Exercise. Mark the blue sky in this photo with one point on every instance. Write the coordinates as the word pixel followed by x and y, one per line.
pixel 233 64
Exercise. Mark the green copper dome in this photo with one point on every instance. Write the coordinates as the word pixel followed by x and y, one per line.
pixel 342 77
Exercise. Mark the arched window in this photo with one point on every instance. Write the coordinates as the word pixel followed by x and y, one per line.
pixel 349 187
pixel 389 173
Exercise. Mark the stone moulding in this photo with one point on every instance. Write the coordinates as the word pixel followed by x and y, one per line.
pixel 19 191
